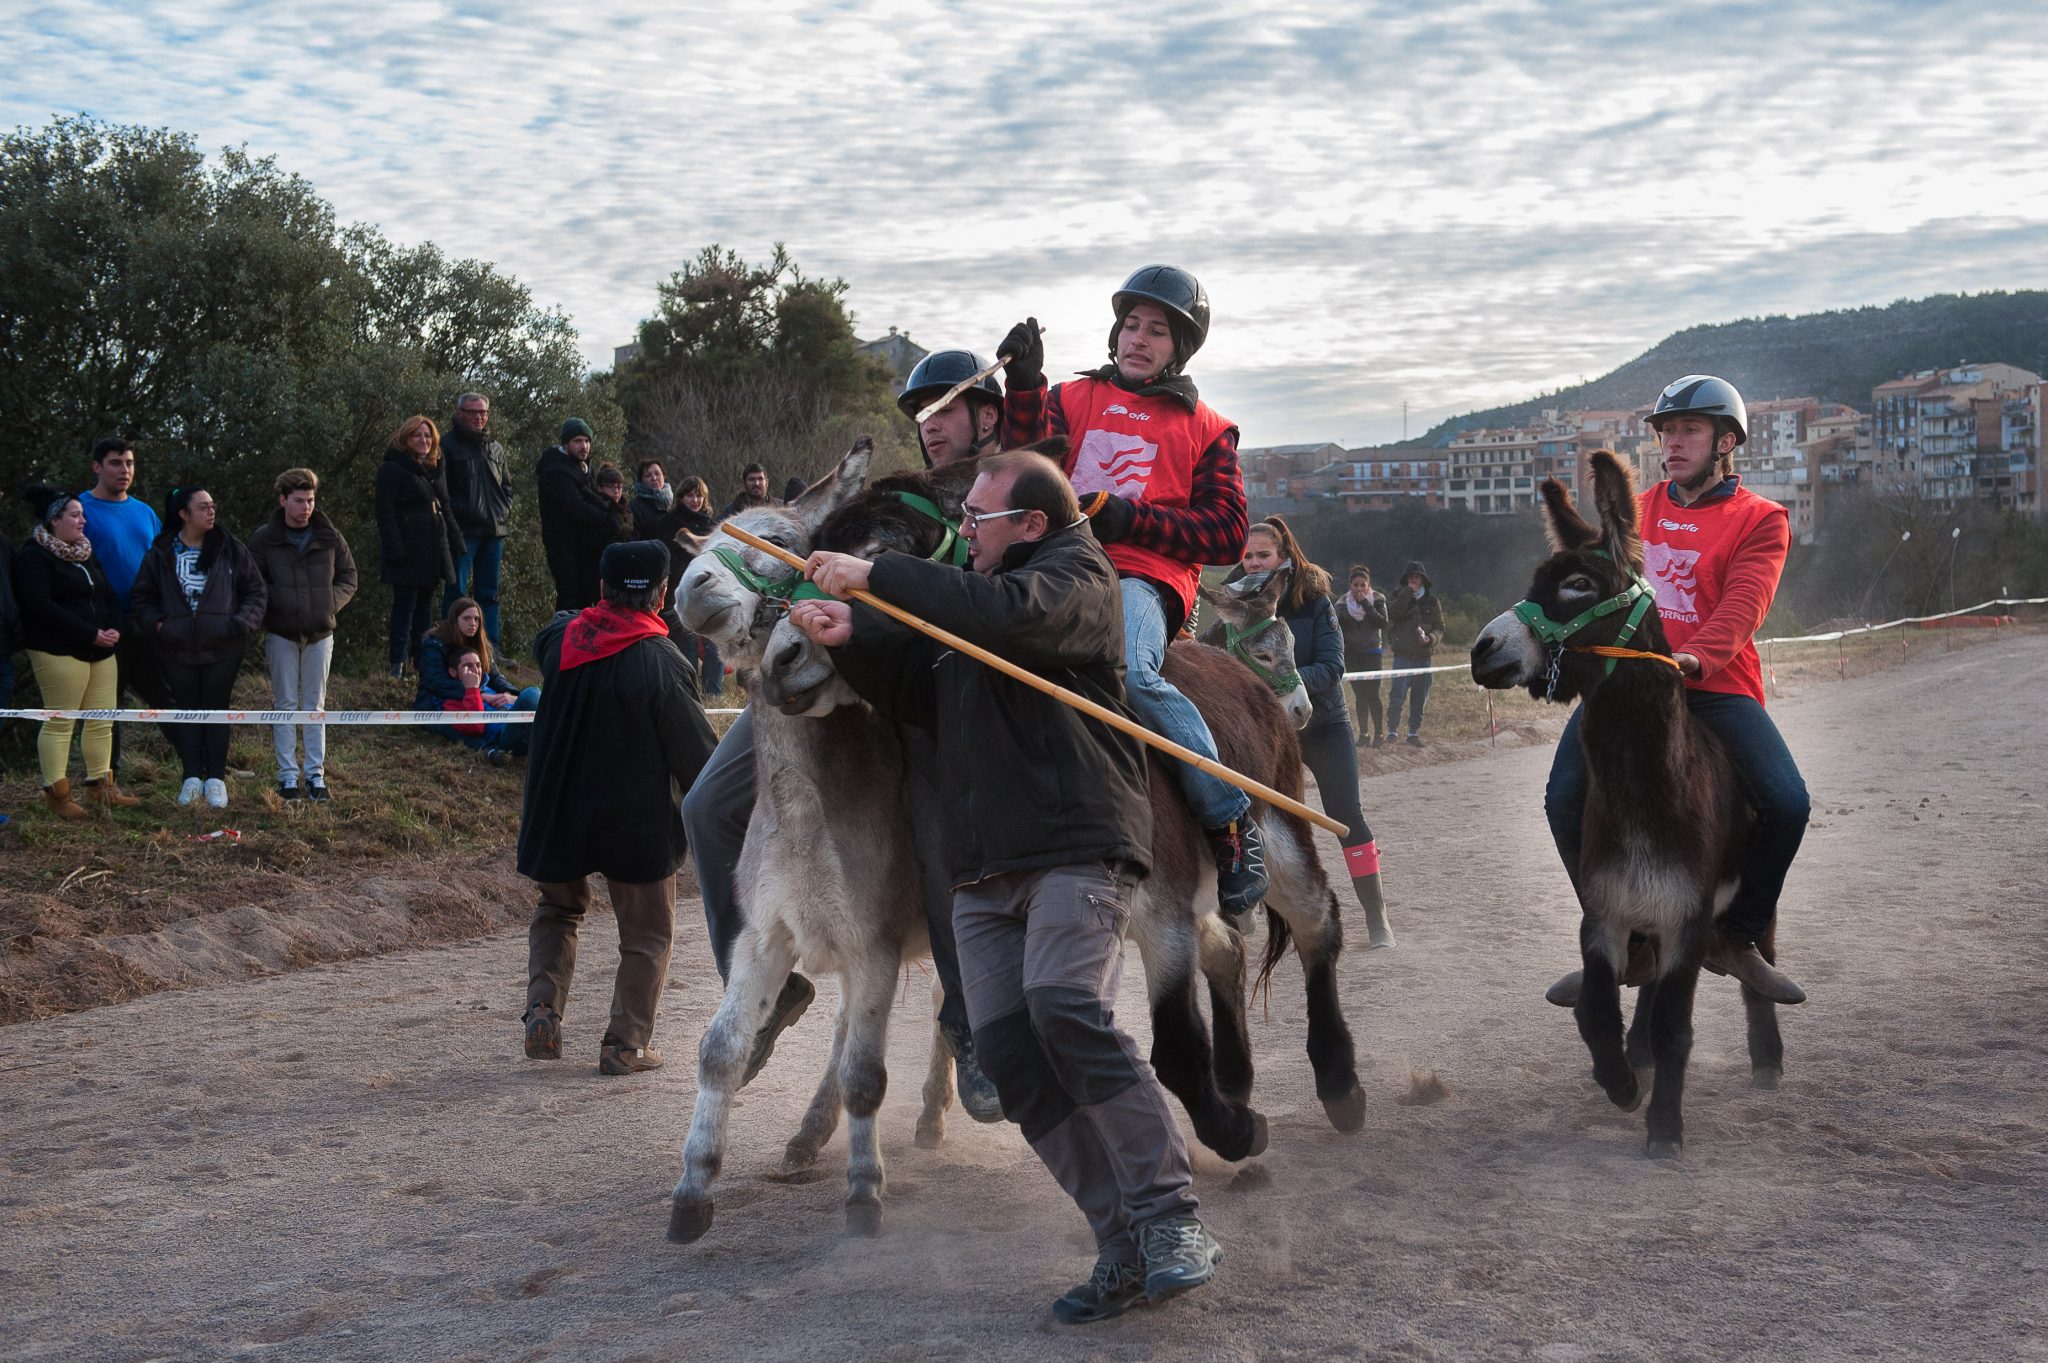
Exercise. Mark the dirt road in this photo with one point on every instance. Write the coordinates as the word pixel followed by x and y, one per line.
pixel 353 1162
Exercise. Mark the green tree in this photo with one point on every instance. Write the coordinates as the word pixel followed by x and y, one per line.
pixel 755 363
pixel 216 313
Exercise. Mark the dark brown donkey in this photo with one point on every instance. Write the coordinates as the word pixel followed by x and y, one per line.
pixel 1666 824
pixel 1175 923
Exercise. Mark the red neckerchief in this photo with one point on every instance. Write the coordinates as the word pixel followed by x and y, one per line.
pixel 604 629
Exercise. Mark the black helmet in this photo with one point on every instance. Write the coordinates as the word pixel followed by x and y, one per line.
pixel 1704 395
pixel 940 370
pixel 1180 293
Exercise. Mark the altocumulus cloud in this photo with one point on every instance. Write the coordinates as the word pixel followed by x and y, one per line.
pixel 1447 204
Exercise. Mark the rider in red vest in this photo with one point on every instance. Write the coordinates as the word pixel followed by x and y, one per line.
pixel 1713 551
pixel 1156 471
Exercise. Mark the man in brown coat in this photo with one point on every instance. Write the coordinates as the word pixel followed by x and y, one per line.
pixel 311 575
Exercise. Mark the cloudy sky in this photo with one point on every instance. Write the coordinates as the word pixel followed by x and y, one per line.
pixel 1444 204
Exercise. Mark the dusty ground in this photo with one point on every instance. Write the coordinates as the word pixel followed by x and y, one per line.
pixel 353 1161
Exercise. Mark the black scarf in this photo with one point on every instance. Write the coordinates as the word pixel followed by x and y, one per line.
pixel 1179 387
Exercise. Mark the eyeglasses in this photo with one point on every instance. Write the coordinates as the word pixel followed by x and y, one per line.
pixel 973 520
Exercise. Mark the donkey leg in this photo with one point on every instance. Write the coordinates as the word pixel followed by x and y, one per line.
pixel 1599 1016
pixel 821 1118
pixel 1181 1053
pixel 1222 952
pixel 1302 896
pixel 938 1081
pixel 1766 1047
pixel 1671 1043
pixel 1642 1057
pixel 870 986
pixel 761 961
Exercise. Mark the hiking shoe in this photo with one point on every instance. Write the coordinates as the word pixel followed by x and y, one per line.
pixel 316 788
pixel 978 1096
pixel 1738 957
pixel 612 1058
pixel 497 757
pixel 1111 1290
pixel 289 790
pixel 191 790
pixel 543 1033
pixel 1179 1255
pixel 797 993
pixel 1240 865
pixel 216 793
pixel 1414 740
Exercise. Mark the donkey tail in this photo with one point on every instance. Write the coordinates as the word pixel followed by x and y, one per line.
pixel 1278 939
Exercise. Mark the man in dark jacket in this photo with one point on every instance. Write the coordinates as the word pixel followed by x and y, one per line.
pixel 1046 832
pixel 10 631
pixel 1415 626
pixel 576 521
pixel 1362 616
pixel 311 575
pixel 480 495
pixel 753 492
pixel 619 736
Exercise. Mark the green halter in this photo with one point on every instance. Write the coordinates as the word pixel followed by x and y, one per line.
pixel 1637 598
pixel 1234 640
pixel 952 549
pixel 794 586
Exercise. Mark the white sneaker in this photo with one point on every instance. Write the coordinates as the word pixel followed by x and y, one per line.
pixel 216 792
pixel 189 792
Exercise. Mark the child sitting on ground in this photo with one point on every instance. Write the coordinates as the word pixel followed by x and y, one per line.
pixel 498 745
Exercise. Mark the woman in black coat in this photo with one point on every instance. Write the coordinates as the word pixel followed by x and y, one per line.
pixel 418 540
pixel 198 598
pixel 1326 744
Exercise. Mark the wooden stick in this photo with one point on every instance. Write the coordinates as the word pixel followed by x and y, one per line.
pixel 1061 694
pixel 957 389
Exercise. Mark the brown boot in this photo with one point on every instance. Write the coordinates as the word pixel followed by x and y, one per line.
pixel 58 798
pixel 1640 970
pixel 1739 957
pixel 107 794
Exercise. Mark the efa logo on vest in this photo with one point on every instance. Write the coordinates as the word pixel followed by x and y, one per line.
pixel 1673 574
pixel 1113 462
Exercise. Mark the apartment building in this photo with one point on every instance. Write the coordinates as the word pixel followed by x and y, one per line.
pixel 1379 478
pixel 1955 435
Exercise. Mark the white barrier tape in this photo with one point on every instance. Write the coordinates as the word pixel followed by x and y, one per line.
pixel 395 717
pixel 1407 672
pixel 1902 621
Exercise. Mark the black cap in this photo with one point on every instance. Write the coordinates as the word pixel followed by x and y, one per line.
pixel 634 565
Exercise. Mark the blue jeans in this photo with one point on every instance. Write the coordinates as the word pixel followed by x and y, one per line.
pixel 1166 711
pixel 1770 779
pixel 482 561
pixel 512 737
pixel 412 612
pixel 1401 689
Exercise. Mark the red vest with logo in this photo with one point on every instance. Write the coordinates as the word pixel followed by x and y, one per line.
pixel 1687 551
pixel 1141 448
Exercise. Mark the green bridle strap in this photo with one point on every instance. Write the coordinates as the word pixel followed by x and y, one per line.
pixel 775 589
pixel 1638 598
pixel 1234 640
pixel 953 548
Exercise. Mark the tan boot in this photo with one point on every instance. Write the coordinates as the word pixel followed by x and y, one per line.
pixel 1640 970
pixel 58 798
pixel 1740 958
pixel 107 794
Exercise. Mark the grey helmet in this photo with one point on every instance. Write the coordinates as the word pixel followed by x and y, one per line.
pixel 1704 395
pixel 1180 293
pixel 940 370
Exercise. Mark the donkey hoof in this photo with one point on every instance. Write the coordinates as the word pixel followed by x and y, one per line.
pixel 687 1221
pixel 798 1156
pixel 1258 1146
pixel 1765 1076
pixel 1628 1097
pixel 1665 1147
pixel 930 1136
pixel 864 1219
pixel 1347 1111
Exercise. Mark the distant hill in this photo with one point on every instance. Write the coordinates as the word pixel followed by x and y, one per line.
pixel 1834 356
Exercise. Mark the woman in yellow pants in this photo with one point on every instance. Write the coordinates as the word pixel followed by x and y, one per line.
pixel 68 625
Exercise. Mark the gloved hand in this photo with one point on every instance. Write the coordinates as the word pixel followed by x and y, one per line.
pixel 1109 515
pixel 1025 347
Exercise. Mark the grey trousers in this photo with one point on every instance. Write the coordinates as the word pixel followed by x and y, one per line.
pixel 1041 956
pixel 646 915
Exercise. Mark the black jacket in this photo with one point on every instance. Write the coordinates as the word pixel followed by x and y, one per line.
pixel 230 609
pixel 417 539
pixel 616 742
pixel 1027 782
pixel 1362 638
pixel 1415 625
pixel 576 523
pixel 10 611
pixel 307 589
pixel 63 605
pixel 479 481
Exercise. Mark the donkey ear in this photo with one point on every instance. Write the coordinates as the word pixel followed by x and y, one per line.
pixel 836 488
pixel 1614 495
pixel 691 545
pixel 1561 520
